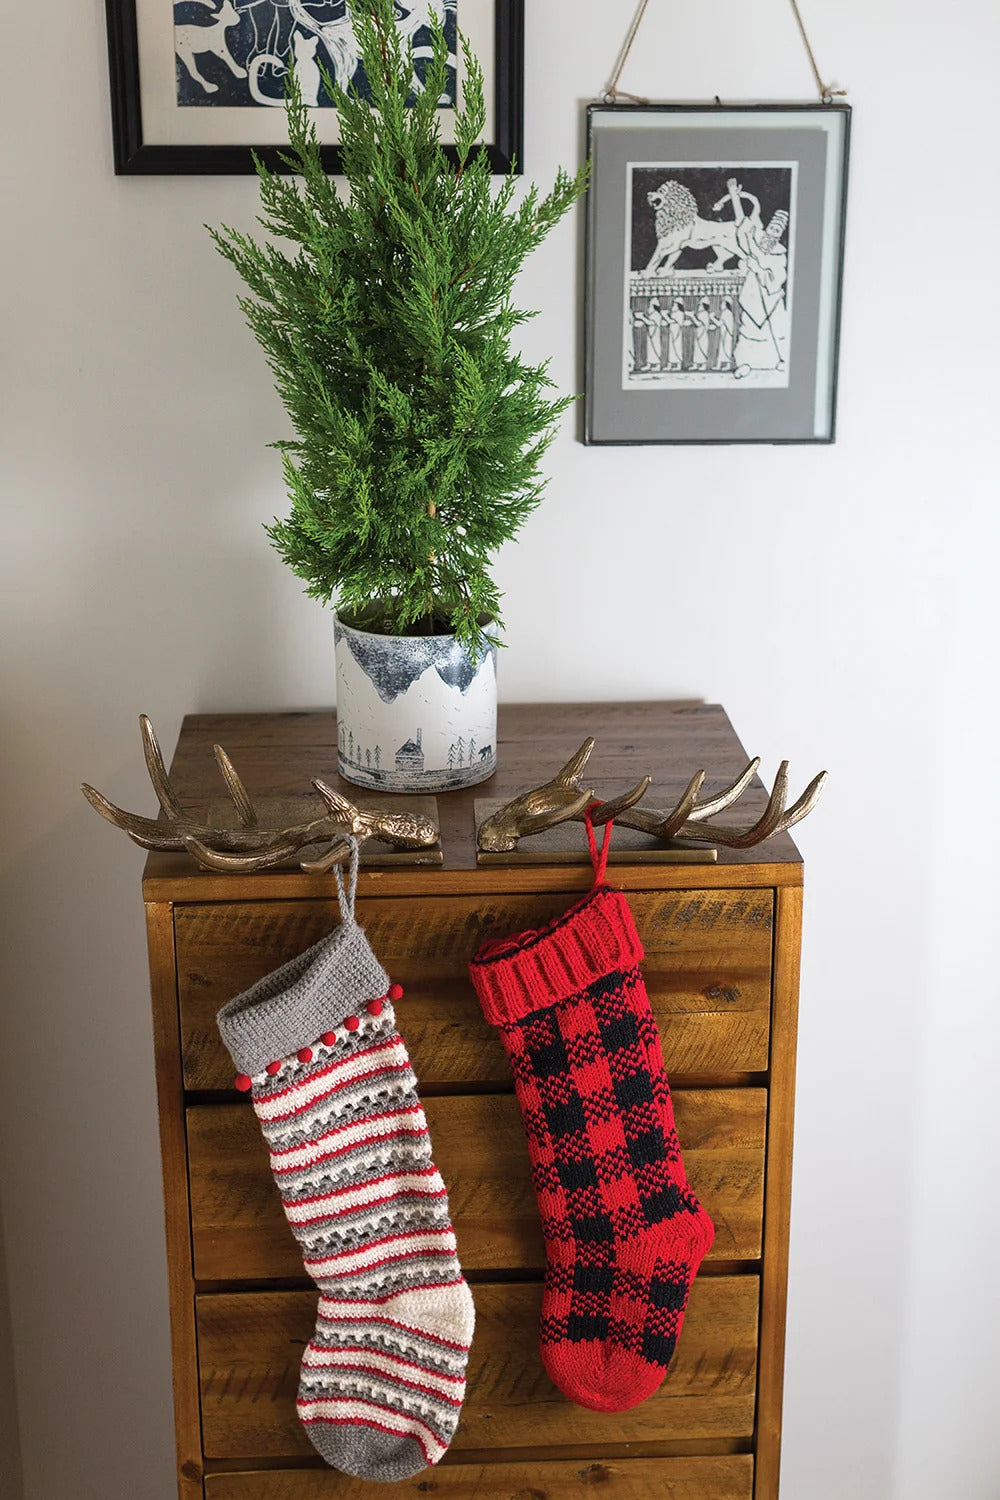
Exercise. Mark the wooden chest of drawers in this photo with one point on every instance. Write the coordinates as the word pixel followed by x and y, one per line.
pixel 721 967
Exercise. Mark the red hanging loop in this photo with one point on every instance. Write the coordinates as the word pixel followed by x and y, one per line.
pixel 599 860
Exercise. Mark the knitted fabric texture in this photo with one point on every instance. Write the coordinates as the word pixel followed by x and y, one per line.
pixel 624 1233
pixel 383 1378
pixel 312 993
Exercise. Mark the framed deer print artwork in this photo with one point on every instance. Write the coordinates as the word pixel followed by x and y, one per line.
pixel 714 260
pixel 197 84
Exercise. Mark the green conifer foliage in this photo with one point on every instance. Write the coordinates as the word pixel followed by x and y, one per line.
pixel 387 317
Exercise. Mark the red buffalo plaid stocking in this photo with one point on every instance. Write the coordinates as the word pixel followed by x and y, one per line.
pixel 624 1233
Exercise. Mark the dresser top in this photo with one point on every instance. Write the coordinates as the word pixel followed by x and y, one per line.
pixel 279 754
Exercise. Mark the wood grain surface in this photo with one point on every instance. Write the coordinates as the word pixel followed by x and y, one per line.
pixel 176 1207
pixel 281 753
pixel 250 1346
pixel 707 970
pixel 728 1477
pixel 781 1105
pixel 240 1233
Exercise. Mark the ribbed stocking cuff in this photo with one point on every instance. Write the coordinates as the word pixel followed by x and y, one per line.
pixel 531 970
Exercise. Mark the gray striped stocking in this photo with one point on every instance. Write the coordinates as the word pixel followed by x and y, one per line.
pixel 316 1045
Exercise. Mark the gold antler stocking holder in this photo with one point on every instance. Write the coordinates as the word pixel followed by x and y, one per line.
pixel 562 800
pixel 247 845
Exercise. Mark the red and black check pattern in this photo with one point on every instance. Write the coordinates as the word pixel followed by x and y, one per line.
pixel 624 1233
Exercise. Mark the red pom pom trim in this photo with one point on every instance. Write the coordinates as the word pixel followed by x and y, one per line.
pixel 243 1083
pixel 328 1038
pixel 352 1023
pixel 272 1068
pixel 395 992
pixel 374 1007
pixel 305 1054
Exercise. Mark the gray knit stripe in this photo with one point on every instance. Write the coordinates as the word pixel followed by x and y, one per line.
pixel 387 1392
pixel 414 1150
pixel 302 1188
pixel 366 1454
pixel 343 1236
pixel 416 1270
pixel 311 994
pixel 400 1094
pixel 347 1334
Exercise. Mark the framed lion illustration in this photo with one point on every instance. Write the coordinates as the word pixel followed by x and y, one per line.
pixel 713 277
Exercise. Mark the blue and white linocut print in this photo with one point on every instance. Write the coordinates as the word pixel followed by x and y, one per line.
pixel 235 52
pixel 708 275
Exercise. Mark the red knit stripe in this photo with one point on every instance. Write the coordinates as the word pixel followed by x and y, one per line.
pixel 381 1353
pixel 373 1265
pixel 333 1067
pixel 357 1187
pixel 389 1114
pixel 389 1379
pixel 336 1088
pixel 359 1145
pixel 428 1286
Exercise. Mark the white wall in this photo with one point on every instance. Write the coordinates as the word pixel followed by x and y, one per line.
pixel 840 601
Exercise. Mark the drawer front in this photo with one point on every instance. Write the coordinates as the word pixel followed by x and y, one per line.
pixel 239 1229
pixel 725 1478
pixel 707 969
pixel 250 1346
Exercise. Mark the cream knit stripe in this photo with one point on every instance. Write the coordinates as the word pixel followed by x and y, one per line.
pixel 388 1324
pixel 278 1106
pixel 385 1364
pixel 349 1149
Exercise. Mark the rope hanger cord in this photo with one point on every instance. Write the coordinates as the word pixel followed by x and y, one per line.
pixel 613 92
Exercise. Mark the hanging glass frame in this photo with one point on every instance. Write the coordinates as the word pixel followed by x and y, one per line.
pixel 715 241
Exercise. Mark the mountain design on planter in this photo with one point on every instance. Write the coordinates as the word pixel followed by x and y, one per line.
pixel 435 727
pixel 462 759
pixel 393 675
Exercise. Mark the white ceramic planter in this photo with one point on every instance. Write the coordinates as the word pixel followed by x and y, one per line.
pixel 414 714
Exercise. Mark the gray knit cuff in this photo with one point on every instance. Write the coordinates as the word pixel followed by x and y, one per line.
pixel 293 1006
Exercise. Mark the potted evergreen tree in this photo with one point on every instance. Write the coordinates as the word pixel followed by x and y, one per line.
pixel 419 430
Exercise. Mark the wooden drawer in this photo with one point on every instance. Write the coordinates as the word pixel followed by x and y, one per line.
pixel 250 1346
pixel 707 968
pixel 725 1478
pixel 239 1230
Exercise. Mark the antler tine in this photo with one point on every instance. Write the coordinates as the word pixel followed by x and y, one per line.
pixel 258 859
pixel 675 820
pixel 573 769
pixel 165 793
pixel 553 815
pixel 245 809
pixel 745 838
pixel 775 818
pixel 335 855
pixel 146 832
pixel 726 798
pixel 615 806
pixel 805 804
pixel 337 805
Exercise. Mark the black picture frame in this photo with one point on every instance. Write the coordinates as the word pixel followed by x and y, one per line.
pixel 132 155
pixel 813 144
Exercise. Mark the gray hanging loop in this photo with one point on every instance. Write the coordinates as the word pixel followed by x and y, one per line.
pixel 612 92
pixel 346 895
pixel 826 93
